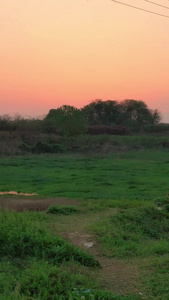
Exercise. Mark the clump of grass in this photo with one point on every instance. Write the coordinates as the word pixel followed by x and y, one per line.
pixel 105 295
pixel 166 207
pixel 20 237
pixel 62 210
pixel 156 276
pixel 41 280
pixel 134 232
pixel 163 203
pixel 36 265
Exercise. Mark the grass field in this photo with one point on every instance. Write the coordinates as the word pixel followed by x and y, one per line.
pixel 134 175
pixel 121 202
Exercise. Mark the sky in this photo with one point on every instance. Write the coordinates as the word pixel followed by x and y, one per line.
pixel 56 52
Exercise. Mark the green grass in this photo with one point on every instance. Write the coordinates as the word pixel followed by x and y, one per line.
pixel 20 237
pixel 139 175
pixel 140 235
pixel 35 264
pixel 156 276
pixel 134 232
pixel 133 184
pixel 43 281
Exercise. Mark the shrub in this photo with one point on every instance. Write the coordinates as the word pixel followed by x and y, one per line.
pixel 68 120
pixel 113 130
pixel 62 210
pixel 156 128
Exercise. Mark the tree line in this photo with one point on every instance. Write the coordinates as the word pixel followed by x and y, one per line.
pixel 97 117
pixel 102 117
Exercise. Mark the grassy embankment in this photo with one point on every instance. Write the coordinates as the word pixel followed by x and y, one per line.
pixel 123 202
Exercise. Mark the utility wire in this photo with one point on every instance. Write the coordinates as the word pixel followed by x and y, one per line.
pixel 142 9
pixel 157 4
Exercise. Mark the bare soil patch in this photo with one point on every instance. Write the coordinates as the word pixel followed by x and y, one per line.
pixel 32 204
pixel 119 276
pixel 16 193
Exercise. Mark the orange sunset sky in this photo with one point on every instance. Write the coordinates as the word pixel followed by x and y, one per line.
pixel 55 52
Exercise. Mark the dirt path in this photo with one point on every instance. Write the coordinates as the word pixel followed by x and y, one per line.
pixel 119 276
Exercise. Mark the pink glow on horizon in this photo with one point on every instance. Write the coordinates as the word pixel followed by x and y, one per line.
pixel 72 52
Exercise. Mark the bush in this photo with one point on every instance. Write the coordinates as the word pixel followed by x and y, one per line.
pixel 156 128
pixel 113 130
pixel 62 210
pixel 21 124
pixel 6 123
pixel 68 120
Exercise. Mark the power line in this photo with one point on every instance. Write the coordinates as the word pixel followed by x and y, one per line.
pixel 142 9
pixel 157 4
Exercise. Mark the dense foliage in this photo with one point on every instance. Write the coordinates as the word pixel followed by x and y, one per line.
pixel 67 119
pixel 131 113
pixel 69 129
pixel 71 121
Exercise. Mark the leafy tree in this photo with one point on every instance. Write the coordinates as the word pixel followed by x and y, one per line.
pixel 156 114
pixel 137 112
pixel 5 122
pixel 68 120
pixel 100 112
pixel 130 113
